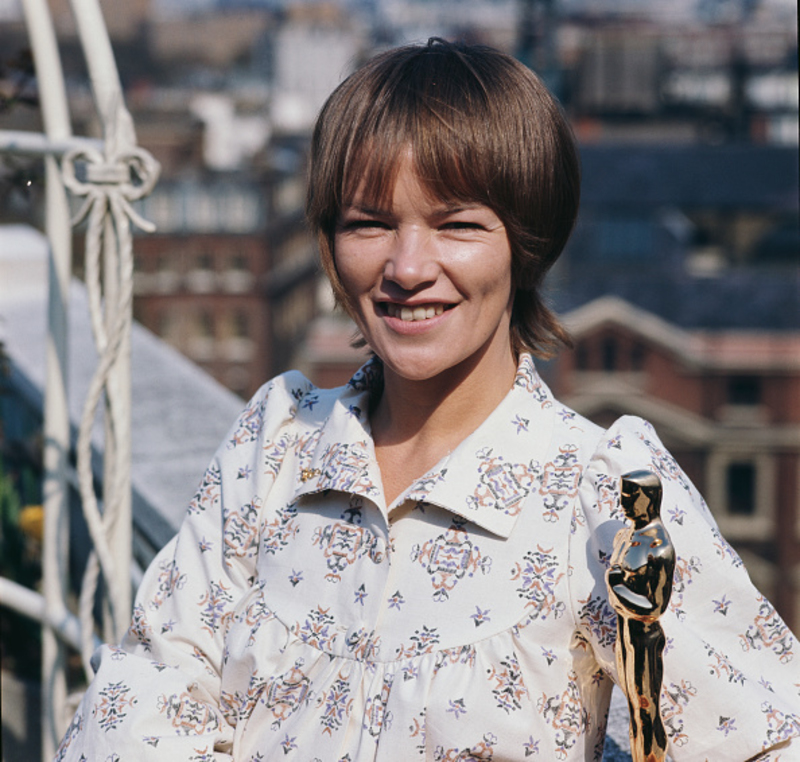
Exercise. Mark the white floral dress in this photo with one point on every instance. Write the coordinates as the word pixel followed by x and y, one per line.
pixel 297 617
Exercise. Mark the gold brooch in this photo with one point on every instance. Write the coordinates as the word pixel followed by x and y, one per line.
pixel 309 473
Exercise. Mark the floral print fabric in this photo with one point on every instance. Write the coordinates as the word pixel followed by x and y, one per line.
pixel 296 616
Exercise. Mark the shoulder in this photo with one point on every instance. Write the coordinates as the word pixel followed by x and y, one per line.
pixel 291 401
pixel 632 444
pixel 275 403
pixel 284 417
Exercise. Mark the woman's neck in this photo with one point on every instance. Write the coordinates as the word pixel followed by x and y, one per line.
pixel 416 423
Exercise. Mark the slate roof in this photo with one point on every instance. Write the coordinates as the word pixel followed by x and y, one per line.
pixel 746 299
pixel 733 175
pixel 643 180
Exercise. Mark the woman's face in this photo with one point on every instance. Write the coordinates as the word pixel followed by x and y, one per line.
pixel 428 281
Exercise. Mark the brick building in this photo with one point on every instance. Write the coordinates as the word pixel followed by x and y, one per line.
pixel 199 282
pixel 727 405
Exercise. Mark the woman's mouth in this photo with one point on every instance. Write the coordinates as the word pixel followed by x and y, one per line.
pixel 414 314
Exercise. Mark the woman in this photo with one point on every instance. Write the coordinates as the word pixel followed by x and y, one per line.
pixel 412 566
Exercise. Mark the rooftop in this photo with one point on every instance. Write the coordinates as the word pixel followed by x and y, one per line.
pixel 731 175
pixel 745 299
pixel 179 413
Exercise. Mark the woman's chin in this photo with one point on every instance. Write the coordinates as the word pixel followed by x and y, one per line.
pixel 418 367
pixel 414 371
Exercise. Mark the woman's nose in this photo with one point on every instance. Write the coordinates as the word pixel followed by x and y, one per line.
pixel 411 261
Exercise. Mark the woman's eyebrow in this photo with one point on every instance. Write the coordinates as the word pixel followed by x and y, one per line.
pixel 364 209
pixel 440 210
pixel 458 206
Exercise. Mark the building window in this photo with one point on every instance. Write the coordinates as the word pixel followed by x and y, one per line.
pixel 206 324
pixel 167 326
pixel 164 325
pixel 237 379
pixel 609 354
pixel 241 325
pixel 239 262
pixel 582 357
pixel 203 212
pixel 741 489
pixel 744 390
pixel 638 354
pixel 240 211
pixel 165 209
pixel 205 261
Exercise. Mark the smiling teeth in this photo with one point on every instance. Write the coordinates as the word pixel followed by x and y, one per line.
pixel 411 314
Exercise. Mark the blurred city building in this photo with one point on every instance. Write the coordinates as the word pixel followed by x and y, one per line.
pixel 726 403
pixel 681 280
pixel 199 281
pixel 681 287
pixel 224 95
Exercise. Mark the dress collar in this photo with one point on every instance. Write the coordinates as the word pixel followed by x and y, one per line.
pixel 484 480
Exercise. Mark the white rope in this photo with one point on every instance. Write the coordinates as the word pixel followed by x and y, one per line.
pixel 86 611
pixel 109 190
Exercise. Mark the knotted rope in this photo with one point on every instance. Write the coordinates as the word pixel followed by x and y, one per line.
pixel 109 187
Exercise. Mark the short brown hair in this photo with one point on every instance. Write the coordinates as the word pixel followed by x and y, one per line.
pixel 482 128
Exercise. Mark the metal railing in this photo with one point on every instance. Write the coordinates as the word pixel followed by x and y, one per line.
pixel 109 175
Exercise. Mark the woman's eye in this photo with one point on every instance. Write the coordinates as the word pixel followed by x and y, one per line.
pixel 363 224
pixel 462 225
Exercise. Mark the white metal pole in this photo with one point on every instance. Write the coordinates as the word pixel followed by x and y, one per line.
pixel 56 452
pixel 55 116
pixel 32 605
pixel 24 143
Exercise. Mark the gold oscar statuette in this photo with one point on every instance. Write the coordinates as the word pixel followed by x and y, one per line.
pixel 639 585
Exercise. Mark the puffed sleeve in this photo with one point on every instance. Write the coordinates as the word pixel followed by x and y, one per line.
pixel 157 695
pixel 731 686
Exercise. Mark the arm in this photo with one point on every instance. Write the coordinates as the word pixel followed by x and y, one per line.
pixel 730 664
pixel 157 695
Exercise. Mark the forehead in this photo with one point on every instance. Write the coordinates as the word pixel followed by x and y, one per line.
pixel 371 177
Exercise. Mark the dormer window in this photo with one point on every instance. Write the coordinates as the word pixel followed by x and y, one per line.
pixel 637 357
pixel 582 356
pixel 744 390
pixel 741 489
pixel 609 355
pixel 205 324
